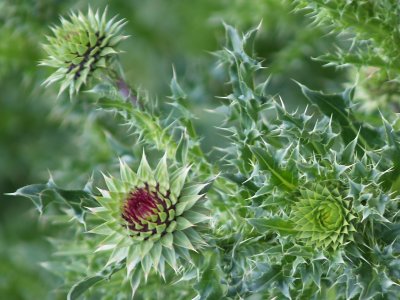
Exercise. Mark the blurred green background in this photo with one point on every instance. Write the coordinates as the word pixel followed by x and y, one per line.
pixel 40 133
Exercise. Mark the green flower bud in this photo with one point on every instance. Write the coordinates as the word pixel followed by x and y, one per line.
pixel 150 216
pixel 82 45
pixel 323 217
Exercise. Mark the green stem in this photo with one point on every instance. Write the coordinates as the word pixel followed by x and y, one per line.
pixel 126 91
pixel 117 78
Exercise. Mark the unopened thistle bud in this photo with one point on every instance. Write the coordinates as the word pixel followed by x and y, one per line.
pixel 323 217
pixel 81 46
pixel 150 217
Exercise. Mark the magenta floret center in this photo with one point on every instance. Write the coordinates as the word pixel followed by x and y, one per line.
pixel 139 205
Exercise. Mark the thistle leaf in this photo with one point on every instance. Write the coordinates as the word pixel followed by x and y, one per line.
pixel 266 161
pixel 79 288
pixel 82 286
pixel 337 107
pixel 263 225
pixel 43 194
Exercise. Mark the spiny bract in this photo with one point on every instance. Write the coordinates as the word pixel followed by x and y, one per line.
pixel 81 46
pixel 150 216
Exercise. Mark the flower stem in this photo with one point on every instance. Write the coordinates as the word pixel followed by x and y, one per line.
pixel 126 91
pixel 116 76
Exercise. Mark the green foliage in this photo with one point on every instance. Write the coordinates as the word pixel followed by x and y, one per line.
pixel 43 194
pixel 316 190
pixel 294 204
pixel 374 25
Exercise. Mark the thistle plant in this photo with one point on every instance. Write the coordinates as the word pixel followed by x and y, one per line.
pixel 373 28
pixel 82 47
pixel 300 204
pixel 150 216
pixel 319 196
pixel 369 35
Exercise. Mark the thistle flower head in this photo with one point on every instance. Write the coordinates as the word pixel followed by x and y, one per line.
pixel 148 212
pixel 323 217
pixel 150 216
pixel 80 46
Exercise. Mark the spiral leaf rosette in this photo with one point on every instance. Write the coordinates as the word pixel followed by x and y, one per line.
pixel 323 217
pixel 81 46
pixel 151 216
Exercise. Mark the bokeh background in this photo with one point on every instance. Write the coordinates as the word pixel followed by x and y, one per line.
pixel 40 134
